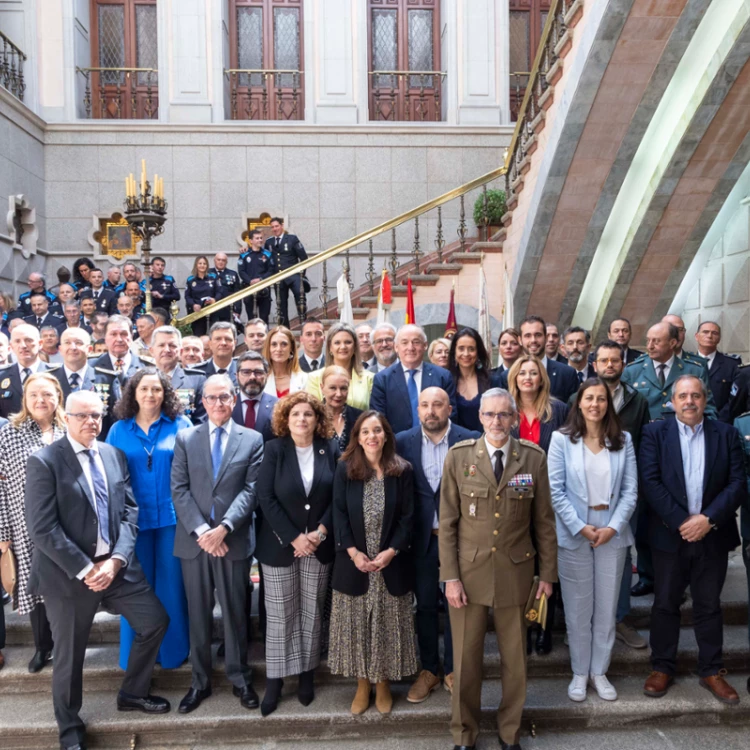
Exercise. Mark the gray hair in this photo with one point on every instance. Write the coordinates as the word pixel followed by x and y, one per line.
pixel 498 393
pixel 167 331
pixel 88 396
pixel 704 388
pixel 219 379
pixel 222 325
pixel 415 327
pixel 257 321
pixel 387 326
pixel 50 328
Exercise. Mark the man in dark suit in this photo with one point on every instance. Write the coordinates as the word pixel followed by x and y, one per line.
pixel 83 520
pixel 40 315
pixel 395 390
pixel 105 299
pixel 254 407
pixel 76 374
pixel 286 251
pixel 311 339
pixel 552 345
pixel 563 382
pixel 722 370
pixel 620 332
pixel 213 490
pixel 577 342
pixel 223 340
pixel 25 344
pixel 425 447
pixel 693 478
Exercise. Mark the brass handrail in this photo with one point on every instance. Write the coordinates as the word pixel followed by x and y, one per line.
pixel 386 226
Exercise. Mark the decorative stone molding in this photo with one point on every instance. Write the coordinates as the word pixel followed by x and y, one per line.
pixel 22 228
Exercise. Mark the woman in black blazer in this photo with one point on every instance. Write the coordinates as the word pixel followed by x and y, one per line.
pixel 372 625
pixel 294 548
pixel 334 385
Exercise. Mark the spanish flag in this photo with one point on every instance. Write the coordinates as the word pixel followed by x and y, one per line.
pixel 385 299
pixel 451 325
pixel 410 317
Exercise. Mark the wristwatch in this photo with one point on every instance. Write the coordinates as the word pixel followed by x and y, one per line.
pixel 711 522
pixel 227 527
pixel 321 535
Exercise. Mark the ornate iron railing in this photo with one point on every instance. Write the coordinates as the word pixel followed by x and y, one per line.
pixel 11 67
pixel 121 93
pixel 257 94
pixel 406 95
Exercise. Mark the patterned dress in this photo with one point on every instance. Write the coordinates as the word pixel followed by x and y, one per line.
pixel 372 636
pixel 16 445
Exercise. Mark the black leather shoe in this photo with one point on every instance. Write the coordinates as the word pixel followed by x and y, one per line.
pixel 248 697
pixel 464 747
pixel 193 699
pixel 73 747
pixel 220 652
pixel 506 746
pixel 38 661
pixel 151 704
pixel 306 688
pixel 642 588
pixel 272 695
pixel 748 684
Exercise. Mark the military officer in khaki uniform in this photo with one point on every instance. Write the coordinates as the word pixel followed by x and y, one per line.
pixel 495 517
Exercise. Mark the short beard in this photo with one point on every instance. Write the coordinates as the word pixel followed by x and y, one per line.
pixel 246 390
pixel 383 362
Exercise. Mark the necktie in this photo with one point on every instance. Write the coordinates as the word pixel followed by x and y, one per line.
pixel 581 376
pixel 100 493
pixel 314 364
pixel 662 378
pixel 119 365
pixel 75 379
pixel 222 371
pixel 216 454
pixel 250 413
pixel 26 372
pixel 498 466
pixel 96 295
pixel 38 322
pixel 413 396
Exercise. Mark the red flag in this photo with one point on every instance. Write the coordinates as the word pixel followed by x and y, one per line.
pixel 410 317
pixel 451 326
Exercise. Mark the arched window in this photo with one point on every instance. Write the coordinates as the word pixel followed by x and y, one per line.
pixel 527 19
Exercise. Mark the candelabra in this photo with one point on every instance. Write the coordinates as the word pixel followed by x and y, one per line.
pixel 146 213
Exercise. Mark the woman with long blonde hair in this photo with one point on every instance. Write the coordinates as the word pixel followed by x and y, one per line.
pixel 285 375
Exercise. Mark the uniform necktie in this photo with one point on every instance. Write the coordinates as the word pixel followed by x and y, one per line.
pixel 26 372
pixel 100 494
pixel 314 364
pixel 96 295
pixel 250 413
pixel 498 466
pixel 662 378
pixel 75 379
pixel 216 454
pixel 38 322
pixel 581 376
pixel 413 396
pixel 222 371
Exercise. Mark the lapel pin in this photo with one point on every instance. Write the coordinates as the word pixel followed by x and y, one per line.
pixel 322 452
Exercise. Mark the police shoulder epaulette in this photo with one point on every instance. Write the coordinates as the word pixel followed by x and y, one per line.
pixel 211 275
pixel 733 356
pixel 743 365
pixel 193 371
pixel 105 371
pixel 464 443
pixel 9 366
pixel 529 444
pixel 169 278
pixel 52 367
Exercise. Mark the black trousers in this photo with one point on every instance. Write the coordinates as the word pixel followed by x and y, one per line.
pixel 704 570
pixel 644 562
pixel 200 326
pixel 427 592
pixel 258 307
pixel 295 284
pixel 746 560
pixel 41 629
pixel 71 618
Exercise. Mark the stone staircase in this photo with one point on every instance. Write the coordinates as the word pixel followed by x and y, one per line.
pixel 26 720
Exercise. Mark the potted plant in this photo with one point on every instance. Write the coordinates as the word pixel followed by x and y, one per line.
pixel 496 208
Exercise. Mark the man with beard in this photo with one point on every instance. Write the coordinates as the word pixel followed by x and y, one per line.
pixel 577 342
pixel 552 344
pixel 383 340
pixel 254 407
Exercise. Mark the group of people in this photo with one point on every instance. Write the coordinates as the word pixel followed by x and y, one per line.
pixel 375 480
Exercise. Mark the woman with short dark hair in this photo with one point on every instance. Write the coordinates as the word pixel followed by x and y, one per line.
pixel 372 623
pixel 150 416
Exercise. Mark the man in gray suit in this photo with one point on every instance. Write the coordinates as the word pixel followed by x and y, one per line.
pixel 213 490
pixel 82 518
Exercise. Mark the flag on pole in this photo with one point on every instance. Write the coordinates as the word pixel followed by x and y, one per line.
pixel 484 324
pixel 385 299
pixel 451 326
pixel 345 300
pixel 410 317
pixel 507 301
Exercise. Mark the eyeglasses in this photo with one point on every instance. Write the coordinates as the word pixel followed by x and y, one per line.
pixel 491 416
pixel 609 360
pixel 380 342
pixel 222 398
pixel 252 373
pixel 84 417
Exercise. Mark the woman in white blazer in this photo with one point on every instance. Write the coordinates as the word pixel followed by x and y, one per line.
pixel 594 483
pixel 285 375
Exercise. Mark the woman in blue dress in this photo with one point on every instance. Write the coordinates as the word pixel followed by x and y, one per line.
pixel 150 417
pixel 469 364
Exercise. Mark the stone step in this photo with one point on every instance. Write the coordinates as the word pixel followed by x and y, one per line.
pixel 102 671
pixel 26 721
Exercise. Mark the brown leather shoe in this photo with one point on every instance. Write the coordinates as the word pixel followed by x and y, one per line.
pixel 720 688
pixel 423 686
pixel 657 684
pixel 383 697
pixel 361 701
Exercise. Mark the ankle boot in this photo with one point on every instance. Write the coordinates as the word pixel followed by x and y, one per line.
pixel 271 699
pixel 306 689
pixel 383 697
pixel 361 701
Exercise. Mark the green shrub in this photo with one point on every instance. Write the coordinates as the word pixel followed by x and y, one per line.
pixel 496 208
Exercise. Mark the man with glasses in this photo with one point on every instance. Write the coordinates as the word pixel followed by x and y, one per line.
pixel 83 520
pixel 214 497
pixel 254 407
pixel 383 340
pixel 495 517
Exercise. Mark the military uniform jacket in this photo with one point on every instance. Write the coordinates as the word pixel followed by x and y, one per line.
pixel 288 253
pixel 188 383
pixel 228 283
pixel 490 533
pixel 252 265
pixel 641 375
pixel 11 388
pixel 167 287
pixel 197 290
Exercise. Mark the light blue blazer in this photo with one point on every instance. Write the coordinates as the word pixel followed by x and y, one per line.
pixel 570 500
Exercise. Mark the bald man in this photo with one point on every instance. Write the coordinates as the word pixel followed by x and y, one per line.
pixel 229 282
pixel 425 447
pixel 679 324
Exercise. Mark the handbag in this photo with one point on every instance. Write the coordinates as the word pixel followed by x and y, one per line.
pixel 536 609
pixel 8 572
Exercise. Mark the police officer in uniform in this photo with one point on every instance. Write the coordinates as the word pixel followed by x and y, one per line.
pixel 286 251
pixel 201 289
pixel 130 272
pixel 653 374
pixel 255 264
pixel 164 289
pixel 495 517
pixel 36 284
pixel 229 282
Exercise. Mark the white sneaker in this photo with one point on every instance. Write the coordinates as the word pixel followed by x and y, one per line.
pixel 604 688
pixel 577 688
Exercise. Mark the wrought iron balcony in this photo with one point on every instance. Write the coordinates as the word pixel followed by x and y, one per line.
pixel 11 67
pixel 518 82
pixel 121 93
pixel 406 95
pixel 258 94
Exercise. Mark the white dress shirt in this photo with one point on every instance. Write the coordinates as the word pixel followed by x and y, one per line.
pixel 667 367
pixel 492 452
pixel 33 367
pixel 306 461
pixel 81 374
pixel 319 360
pixel 417 376
pixel 596 468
